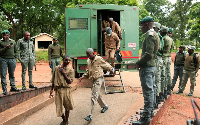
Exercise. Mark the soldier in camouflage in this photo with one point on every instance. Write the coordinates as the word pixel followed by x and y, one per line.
pixel 159 65
pixel 8 56
pixel 147 68
pixel 27 58
pixel 167 49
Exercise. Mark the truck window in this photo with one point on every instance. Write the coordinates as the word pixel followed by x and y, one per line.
pixel 78 23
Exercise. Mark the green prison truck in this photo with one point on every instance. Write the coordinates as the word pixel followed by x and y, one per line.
pixel 84 30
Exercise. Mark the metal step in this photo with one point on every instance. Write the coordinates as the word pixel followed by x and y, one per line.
pixel 122 84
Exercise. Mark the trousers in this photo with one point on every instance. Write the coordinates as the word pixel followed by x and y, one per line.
pixel 96 96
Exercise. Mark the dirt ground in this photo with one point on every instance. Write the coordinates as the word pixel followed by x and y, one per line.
pixel 176 113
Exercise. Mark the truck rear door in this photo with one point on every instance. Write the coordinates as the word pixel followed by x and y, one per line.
pixel 77 31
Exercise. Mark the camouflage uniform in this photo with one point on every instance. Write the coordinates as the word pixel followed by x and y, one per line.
pixel 189 70
pixel 167 49
pixel 95 74
pixel 27 58
pixel 63 96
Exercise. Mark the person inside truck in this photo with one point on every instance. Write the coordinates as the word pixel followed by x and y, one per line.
pixel 115 27
pixel 110 45
pixel 105 23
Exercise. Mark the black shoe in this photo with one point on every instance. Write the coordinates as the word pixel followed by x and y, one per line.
pixel 5 93
pixel 156 106
pixel 169 92
pixel 104 109
pixel 179 92
pixel 23 87
pixel 14 89
pixel 88 118
pixel 190 94
pixel 142 121
pixel 32 86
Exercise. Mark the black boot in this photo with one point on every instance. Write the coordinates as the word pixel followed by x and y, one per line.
pixel 14 89
pixel 142 121
pixel 32 86
pixel 156 105
pixel 165 94
pixel 168 90
pixel 161 97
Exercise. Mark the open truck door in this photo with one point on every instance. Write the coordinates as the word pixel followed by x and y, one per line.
pixel 77 33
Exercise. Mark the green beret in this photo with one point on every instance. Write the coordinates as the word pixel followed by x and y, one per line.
pixel 164 29
pixel 191 47
pixel 147 19
pixel 55 38
pixel 157 25
pixel 170 30
pixel 5 31
pixel 182 46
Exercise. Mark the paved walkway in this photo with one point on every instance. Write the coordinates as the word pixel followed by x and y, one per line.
pixel 121 105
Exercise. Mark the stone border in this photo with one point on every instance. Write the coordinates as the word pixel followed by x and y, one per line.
pixel 15 98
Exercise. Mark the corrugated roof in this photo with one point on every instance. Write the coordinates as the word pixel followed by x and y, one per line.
pixel 41 35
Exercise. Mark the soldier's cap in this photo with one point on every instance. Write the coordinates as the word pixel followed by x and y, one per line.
pixel 157 25
pixel 164 29
pixel 55 38
pixel 147 19
pixel 5 32
pixel 191 47
pixel 182 46
pixel 108 30
pixel 170 30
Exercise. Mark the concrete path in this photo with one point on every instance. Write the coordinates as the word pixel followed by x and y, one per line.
pixel 119 105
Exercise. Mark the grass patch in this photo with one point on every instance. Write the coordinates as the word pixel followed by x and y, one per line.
pixel 173 107
pixel 42 56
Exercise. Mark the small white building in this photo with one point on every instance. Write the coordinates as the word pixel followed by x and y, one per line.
pixel 42 41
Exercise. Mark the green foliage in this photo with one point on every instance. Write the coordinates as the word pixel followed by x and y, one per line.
pixel 194 22
pixel 5 25
pixel 41 56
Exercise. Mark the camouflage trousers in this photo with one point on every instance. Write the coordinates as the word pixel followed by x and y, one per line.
pixel 96 96
pixel 55 62
pixel 163 75
pixel 147 78
pixel 188 74
pixel 166 74
pixel 27 62
pixel 159 65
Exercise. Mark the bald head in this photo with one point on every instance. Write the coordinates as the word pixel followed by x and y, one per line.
pixel 90 53
pixel 26 35
pixel 90 50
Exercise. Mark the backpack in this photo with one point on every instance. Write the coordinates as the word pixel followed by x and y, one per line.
pixel 195 60
pixel 118 56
